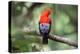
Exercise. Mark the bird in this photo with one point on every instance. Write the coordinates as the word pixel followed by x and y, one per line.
pixel 45 24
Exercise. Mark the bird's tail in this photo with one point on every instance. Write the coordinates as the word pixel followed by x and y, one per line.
pixel 45 39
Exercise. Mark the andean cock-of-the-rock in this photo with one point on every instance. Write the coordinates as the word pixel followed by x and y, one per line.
pixel 45 24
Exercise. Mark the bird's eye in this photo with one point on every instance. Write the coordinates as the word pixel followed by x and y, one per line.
pixel 42 24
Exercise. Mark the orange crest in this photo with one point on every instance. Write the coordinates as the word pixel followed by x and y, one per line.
pixel 44 18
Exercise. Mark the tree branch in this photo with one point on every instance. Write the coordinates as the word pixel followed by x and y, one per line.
pixel 63 40
pixel 53 37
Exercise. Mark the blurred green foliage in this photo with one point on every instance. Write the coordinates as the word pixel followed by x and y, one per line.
pixel 26 15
